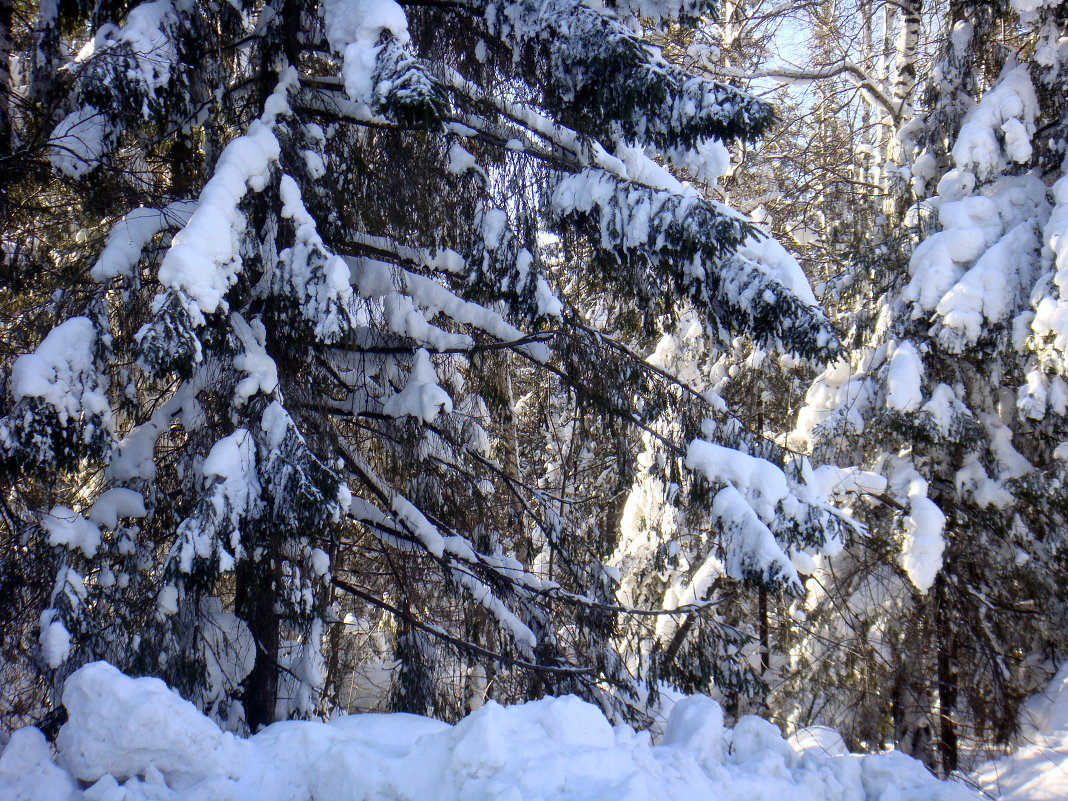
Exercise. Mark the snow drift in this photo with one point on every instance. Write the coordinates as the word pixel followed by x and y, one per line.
pixel 136 740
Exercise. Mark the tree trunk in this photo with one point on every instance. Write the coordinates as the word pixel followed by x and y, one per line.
pixel 908 38
pixel 255 604
pixel 765 647
pixel 947 685
pixel 7 17
pixel 183 174
pixel 45 63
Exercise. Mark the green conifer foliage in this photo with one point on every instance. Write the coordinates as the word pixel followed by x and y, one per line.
pixel 320 254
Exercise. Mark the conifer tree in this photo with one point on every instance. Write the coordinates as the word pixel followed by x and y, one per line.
pixel 310 254
pixel 952 607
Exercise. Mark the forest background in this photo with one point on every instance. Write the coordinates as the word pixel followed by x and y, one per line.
pixel 380 356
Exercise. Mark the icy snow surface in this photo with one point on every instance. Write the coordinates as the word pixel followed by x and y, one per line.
pixel 135 740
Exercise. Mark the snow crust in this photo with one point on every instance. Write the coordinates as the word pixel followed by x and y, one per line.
pixel 136 740
pixel 164 732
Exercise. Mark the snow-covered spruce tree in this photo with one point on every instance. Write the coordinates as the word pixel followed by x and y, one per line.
pixel 309 264
pixel 956 398
pixel 822 186
pixel 851 147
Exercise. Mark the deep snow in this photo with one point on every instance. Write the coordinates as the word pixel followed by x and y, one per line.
pixel 137 740
pixel 1038 769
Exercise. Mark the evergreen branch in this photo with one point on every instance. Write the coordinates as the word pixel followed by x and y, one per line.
pixel 605 79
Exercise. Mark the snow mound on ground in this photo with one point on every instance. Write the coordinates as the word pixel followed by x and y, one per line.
pixel 126 727
pixel 136 740
pixel 1038 770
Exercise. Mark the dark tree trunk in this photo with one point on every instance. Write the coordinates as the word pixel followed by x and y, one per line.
pixel 255 603
pixel 109 11
pixel 258 582
pixel 283 42
pixel 7 18
pixel 947 685
pixel 765 647
pixel 183 173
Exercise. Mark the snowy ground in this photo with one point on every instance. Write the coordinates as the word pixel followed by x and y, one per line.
pixel 1038 769
pixel 136 740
